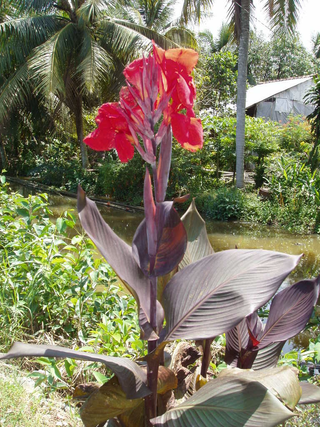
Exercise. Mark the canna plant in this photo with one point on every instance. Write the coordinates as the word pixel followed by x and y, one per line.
pixel 185 291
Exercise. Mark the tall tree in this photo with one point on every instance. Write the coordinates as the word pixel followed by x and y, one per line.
pixel 283 16
pixel 65 50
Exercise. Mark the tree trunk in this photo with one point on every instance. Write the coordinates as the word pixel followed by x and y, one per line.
pixel 3 157
pixel 241 90
pixel 79 126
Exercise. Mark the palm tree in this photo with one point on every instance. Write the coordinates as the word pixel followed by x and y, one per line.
pixel 65 50
pixel 283 16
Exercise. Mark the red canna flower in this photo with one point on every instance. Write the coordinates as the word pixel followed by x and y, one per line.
pixel 112 132
pixel 176 66
pixel 159 85
pixel 187 131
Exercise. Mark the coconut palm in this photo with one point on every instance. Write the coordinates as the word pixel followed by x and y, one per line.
pixel 66 50
pixel 283 16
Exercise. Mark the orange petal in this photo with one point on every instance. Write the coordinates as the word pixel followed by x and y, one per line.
pixel 186 57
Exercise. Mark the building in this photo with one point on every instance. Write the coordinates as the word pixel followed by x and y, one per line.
pixel 278 99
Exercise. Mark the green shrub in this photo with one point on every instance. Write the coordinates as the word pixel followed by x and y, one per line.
pixel 51 281
pixel 122 181
pixel 225 203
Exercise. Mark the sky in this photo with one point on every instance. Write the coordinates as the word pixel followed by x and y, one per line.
pixel 308 25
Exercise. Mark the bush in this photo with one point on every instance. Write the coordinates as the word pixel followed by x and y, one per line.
pixel 222 204
pixel 121 181
pixel 54 283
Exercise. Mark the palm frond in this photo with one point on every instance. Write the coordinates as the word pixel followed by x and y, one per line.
pixel 131 14
pixel 49 60
pixel 15 91
pixel 224 37
pixel 95 62
pixel 32 30
pixel 115 39
pixel 234 17
pixel 182 37
pixel 192 10
pixel 34 5
pixel 148 33
pixel 283 14
pixel 316 46
pixel 92 10
pixel 156 13
pixel 18 38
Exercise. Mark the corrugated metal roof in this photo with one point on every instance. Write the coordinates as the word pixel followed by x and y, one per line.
pixel 264 91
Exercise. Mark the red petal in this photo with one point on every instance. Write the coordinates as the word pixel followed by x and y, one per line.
pixel 124 147
pixel 101 140
pixel 187 131
pixel 158 53
pixel 254 340
pixel 133 73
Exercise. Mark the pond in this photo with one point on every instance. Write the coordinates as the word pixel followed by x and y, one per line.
pixel 222 236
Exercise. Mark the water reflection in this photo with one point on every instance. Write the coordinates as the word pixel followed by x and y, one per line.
pixel 254 236
pixel 222 235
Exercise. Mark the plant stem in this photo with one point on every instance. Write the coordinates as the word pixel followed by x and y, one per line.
pixel 206 356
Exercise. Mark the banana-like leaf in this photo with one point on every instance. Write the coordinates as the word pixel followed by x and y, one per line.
pixel 239 343
pixel 310 393
pixel 211 296
pixel 282 382
pixel 119 255
pixel 107 402
pixel 228 402
pixel 131 377
pixel 133 417
pixel 290 311
pixel 268 356
pixel 163 169
pixel 198 243
pixel 171 241
pixel 166 380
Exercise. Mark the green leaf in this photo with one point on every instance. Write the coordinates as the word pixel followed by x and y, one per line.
pixel 61 225
pixel 23 212
pixel 100 377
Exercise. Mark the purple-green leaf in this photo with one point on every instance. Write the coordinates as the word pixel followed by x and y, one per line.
pixel 211 296
pixel 171 242
pixel 117 253
pixel 230 401
pixel 290 311
pixel 131 377
pixel 310 393
pixel 268 356
pixel 163 169
pixel 281 381
pixel 198 243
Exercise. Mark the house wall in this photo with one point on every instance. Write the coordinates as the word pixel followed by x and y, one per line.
pixel 290 101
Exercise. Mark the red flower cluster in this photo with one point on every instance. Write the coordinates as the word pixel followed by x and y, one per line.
pixel 160 85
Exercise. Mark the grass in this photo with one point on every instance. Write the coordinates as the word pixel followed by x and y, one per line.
pixel 309 417
pixel 20 406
